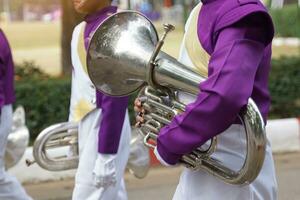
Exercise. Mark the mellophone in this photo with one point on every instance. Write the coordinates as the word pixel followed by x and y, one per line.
pixel 125 56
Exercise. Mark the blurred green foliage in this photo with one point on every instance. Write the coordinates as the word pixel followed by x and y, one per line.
pixel 284 85
pixel 29 70
pixel 46 102
pixel 45 99
pixel 287 20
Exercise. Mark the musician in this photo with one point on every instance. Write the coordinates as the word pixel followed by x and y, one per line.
pixel 10 188
pixel 232 38
pixel 104 133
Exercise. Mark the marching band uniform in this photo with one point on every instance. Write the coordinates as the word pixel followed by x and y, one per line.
pixel 104 133
pixel 233 38
pixel 10 188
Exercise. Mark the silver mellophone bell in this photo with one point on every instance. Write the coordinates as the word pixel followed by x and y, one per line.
pixel 125 56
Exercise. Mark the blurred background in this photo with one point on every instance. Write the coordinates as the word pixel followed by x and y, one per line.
pixel 39 32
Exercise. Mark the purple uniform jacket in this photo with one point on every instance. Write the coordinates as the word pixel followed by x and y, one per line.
pixel 113 108
pixel 7 95
pixel 237 34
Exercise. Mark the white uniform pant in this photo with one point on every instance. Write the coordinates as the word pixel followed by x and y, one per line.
pixel 88 148
pixel 231 149
pixel 10 188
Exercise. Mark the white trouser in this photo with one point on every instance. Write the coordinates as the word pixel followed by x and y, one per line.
pixel 10 188
pixel 88 148
pixel 231 150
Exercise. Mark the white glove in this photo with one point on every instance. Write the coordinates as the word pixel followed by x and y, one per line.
pixel 161 160
pixel 139 158
pixel 104 173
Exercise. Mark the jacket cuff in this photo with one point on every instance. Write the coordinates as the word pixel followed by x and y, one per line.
pixel 167 156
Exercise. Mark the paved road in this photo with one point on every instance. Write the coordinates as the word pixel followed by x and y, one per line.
pixel 161 183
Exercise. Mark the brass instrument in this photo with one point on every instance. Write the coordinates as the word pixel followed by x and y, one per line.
pixel 125 55
pixel 56 149
pixel 58 136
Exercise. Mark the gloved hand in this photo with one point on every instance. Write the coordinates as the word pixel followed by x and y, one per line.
pixel 104 173
pixel 139 159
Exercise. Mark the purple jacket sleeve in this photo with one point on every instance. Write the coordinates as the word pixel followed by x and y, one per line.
pixel 2 97
pixel 232 70
pixel 2 68
pixel 112 118
pixel 7 95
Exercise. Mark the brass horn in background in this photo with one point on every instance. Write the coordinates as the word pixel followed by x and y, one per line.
pixel 54 137
pixel 62 140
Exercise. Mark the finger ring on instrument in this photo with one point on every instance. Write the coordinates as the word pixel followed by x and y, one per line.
pixel 141 114
pixel 142 99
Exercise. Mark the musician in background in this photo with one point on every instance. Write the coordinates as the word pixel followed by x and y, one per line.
pixel 10 188
pixel 230 41
pixel 104 132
